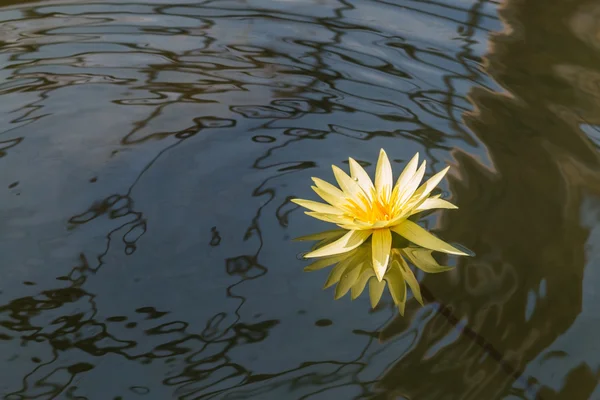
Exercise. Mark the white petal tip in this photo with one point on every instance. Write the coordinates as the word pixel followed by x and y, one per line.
pixel 456 252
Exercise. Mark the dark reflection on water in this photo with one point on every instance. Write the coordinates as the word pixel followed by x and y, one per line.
pixel 149 152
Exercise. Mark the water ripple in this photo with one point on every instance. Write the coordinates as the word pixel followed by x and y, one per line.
pixel 156 147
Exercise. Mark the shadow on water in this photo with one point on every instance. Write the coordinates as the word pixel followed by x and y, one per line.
pixel 156 147
pixel 530 219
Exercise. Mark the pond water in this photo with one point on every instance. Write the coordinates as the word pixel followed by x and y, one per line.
pixel 149 152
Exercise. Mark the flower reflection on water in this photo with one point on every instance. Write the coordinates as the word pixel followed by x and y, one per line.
pixel 353 270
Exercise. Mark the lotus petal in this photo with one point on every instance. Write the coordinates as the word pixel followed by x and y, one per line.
pixel 349 241
pixel 421 237
pixel 381 245
pixel 375 291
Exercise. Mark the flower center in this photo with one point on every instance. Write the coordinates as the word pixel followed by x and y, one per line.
pixel 381 208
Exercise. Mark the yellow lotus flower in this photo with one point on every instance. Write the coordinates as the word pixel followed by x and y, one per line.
pixel 353 270
pixel 366 209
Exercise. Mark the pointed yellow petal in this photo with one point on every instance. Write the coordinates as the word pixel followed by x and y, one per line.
pixel 348 279
pixel 413 183
pixel 362 178
pixel 334 219
pixel 338 201
pixel 365 274
pixel 318 207
pixel 409 277
pixel 407 174
pixel 432 203
pixel 383 175
pixel 430 184
pixel 325 262
pixel 327 187
pixel 375 291
pixel 349 186
pixel 422 259
pixel 397 287
pixel 421 237
pixel 333 233
pixel 349 241
pixel 382 244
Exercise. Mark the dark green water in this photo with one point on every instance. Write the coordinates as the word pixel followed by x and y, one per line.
pixel 149 151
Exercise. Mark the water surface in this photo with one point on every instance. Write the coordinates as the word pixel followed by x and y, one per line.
pixel 149 151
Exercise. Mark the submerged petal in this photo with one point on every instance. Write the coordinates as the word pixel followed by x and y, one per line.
pixel 327 240
pixel 337 271
pixel 409 277
pixel 324 262
pixel 375 291
pixel 348 279
pixel 365 274
pixel 383 175
pixel 325 235
pixel 362 178
pixel 381 244
pixel 318 207
pixel 422 259
pixel 397 287
pixel 421 237
pixel 349 241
